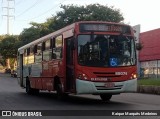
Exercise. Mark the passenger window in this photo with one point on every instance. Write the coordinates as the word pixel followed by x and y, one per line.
pixel 47 44
pixel 25 61
pixel 38 55
pixel 57 50
pixel 39 48
pixel 47 53
pixel 30 56
pixel 58 41
pixel 31 50
pixel 28 51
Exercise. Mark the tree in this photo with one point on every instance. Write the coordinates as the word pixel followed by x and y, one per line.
pixel 36 31
pixel 93 12
pixel 69 15
pixel 8 48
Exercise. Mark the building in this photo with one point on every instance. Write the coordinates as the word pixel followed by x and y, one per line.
pixel 149 56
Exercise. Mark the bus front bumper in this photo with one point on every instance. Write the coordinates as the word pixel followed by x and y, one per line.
pixel 88 87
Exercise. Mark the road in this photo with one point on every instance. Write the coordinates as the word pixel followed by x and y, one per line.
pixel 13 97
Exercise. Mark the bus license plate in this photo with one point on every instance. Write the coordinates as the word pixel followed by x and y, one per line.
pixel 109 85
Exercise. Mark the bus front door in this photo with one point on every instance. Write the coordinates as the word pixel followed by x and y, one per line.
pixel 69 65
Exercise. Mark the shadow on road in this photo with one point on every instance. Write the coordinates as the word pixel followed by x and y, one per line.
pixel 76 100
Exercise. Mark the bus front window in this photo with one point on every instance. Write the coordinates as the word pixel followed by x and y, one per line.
pixel 105 51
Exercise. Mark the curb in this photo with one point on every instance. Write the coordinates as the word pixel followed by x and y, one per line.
pixel 148 89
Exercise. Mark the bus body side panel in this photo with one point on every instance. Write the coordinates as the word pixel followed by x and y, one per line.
pixel 47 77
pixel 35 74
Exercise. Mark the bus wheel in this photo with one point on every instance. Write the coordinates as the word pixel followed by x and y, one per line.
pixel 30 90
pixel 106 97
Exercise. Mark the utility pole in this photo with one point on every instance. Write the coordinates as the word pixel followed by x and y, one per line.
pixel 8 7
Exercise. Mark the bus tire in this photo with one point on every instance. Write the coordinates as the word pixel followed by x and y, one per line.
pixel 30 90
pixel 105 97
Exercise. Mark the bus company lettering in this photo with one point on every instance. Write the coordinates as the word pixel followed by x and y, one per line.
pixel 120 73
pixel 100 79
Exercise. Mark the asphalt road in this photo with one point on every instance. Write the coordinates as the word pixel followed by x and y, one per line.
pixel 13 97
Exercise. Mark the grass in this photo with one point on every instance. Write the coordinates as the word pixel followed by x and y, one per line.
pixel 150 81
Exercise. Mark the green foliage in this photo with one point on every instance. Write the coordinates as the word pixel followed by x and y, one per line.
pixel 2 37
pixel 69 15
pixel 12 61
pixel 154 82
pixel 8 46
pixel 93 12
pixel 34 32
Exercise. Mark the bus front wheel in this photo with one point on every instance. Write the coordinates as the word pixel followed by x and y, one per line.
pixel 106 97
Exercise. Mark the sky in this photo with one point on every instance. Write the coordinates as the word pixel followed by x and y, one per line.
pixel 135 12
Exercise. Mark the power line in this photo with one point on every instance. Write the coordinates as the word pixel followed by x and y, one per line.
pixel 29 8
pixel 8 13
pixel 44 12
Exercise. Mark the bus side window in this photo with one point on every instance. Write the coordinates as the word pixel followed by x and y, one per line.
pixel 47 51
pixel 38 55
pixel 31 50
pixel 30 55
pixel 25 57
pixel 57 47
pixel 28 51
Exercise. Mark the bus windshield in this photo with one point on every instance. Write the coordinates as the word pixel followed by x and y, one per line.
pixel 106 50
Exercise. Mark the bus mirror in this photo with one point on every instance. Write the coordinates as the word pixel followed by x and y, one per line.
pixel 139 46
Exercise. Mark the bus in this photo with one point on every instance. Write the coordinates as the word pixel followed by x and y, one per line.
pixel 86 57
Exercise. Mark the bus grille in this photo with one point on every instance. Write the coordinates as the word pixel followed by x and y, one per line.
pixel 105 88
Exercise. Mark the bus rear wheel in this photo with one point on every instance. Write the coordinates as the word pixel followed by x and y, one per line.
pixel 106 97
pixel 30 90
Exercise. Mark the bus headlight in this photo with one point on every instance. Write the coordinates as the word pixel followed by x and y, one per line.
pixel 134 76
pixel 82 76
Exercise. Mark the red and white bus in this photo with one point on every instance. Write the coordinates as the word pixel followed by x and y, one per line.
pixel 87 57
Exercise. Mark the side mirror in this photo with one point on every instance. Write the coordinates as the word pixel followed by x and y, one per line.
pixel 139 46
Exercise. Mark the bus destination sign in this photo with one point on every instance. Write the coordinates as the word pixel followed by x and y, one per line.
pixel 84 27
